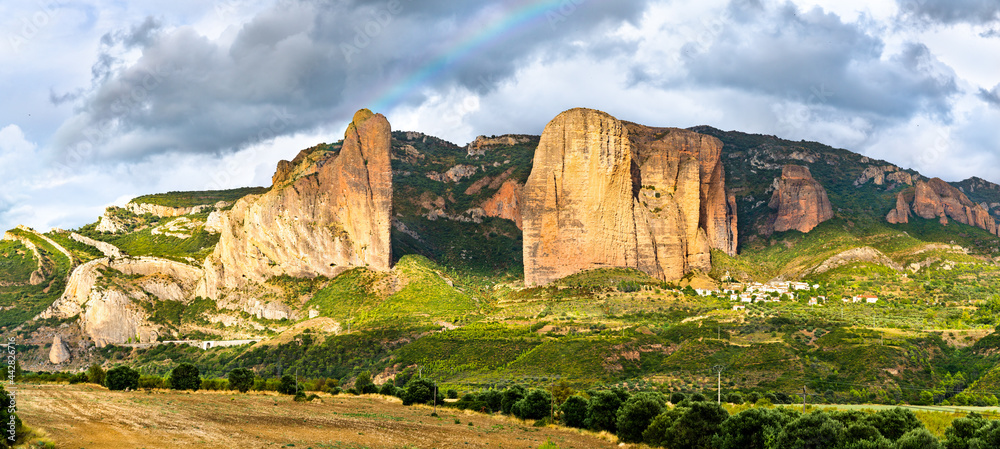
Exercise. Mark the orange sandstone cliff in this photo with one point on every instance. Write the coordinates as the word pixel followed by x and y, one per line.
pixel 606 193
pixel 800 200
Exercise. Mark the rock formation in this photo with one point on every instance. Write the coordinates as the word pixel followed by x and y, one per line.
pixel 326 212
pixel 110 312
pixel 59 353
pixel 105 248
pixel 454 174
pixel 479 146
pixel 506 203
pixel 801 202
pixel 938 199
pixel 879 175
pixel 605 193
pixel 901 213
pixel 110 223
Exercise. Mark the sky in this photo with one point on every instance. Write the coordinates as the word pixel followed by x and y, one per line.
pixel 102 101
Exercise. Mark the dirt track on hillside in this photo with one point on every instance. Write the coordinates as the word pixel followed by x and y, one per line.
pixel 86 416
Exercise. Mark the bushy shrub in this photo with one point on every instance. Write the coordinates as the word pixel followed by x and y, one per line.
pixel 536 404
pixel 493 398
pixel 696 427
pixel 921 438
pixel 895 422
pixel 602 411
pixel 813 430
pixel 122 378
pixel 452 394
pixel 289 386
pixel 574 411
pixel 5 419
pixel 510 397
pixel 78 378
pixel 755 428
pixel 677 398
pixel 388 389
pixel 635 415
pixel 95 374
pixel 241 379
pixel 151 382
pixel 419 391
pixel 185 377
pixel 364 385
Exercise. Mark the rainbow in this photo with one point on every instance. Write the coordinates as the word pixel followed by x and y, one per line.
pixel 518 15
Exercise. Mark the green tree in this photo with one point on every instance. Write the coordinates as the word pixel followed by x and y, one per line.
pixel 895 422
pixel 962 430
pixel 96 374
pixel 364 383
pixel 677 397
pixel 696 428
pixel 602 411
pixel 536 404
pixel 510 397
pixel 574 411
pixel 185 377
pixel 919 438
pixel 289 386
pixel 755 428
pixel 419 391
pixel 242 379
pixel 812 431
pixel 493 398
pixel 388 389
pixel 659 431
pixel 635 415
pixel 122 378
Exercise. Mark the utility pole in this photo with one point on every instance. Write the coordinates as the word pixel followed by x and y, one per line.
pixel 435 400
pixel 718 371
pixel 805 394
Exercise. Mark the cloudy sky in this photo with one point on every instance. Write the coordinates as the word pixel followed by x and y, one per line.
pixel 103 100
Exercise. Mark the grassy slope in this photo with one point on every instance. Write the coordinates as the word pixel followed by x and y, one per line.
pixel 23 302
pixel 191 199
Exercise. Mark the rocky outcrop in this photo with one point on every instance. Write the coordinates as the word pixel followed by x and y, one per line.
pixel 111 312
pixel 880 175
pixel 164 211
pixel 59 353
pixel 901 213
pixel 604 193
pixel 454 174
pixel 110 223
pixel 506 203
pixel 479 146
pixel 328 214
pixel 938 199
pixel 800 201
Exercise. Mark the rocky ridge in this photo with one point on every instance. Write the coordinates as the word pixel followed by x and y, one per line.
pixel 936 199
pixel 606 193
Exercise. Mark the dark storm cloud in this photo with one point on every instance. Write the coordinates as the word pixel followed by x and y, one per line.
pixel 814 57
pixel 977 12
pixel 300 65
pixel 991 96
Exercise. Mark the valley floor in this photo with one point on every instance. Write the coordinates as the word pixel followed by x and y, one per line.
pixel 86 416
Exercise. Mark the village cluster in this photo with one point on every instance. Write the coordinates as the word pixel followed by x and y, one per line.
pixel 775 291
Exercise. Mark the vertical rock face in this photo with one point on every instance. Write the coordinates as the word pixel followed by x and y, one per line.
pixel 506 203
pixel 938 199
pixel 800 200
pixel 325 213
pixel 59 353
pixel 604 193
pixel 901 214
